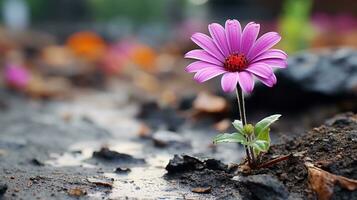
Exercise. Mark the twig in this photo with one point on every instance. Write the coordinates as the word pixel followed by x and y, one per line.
pixel 274 161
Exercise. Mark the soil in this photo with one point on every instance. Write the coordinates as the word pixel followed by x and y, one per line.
pixel 94 147
pixel 331 147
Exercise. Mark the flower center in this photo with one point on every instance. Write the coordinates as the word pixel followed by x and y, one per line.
pixel 235 63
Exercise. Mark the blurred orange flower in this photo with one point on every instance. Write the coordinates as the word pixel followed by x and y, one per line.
pixel 87 44
pixel 144 57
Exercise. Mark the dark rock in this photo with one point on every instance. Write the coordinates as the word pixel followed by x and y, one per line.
pixel 341 120
pixel 170 139
pixel 3 105
pixel 186 102
pixel 215 165
pixel 36 162
pixel 120 170
pixel 332 71
pixel 264 187
pixel 3 188
pixel 157 117
pixel 183 163
pixel 187 163
pixel 113 156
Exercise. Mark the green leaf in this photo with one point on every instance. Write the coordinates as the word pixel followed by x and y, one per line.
pixel 264 124
pixel 260 145
pixel 227 137
pixel 239 126
pixel 264 135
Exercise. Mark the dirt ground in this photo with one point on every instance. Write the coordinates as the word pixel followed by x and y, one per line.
pixel 95 146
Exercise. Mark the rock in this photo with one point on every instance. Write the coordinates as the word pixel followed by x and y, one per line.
pixel 120 170
pixel 341 120
pixel 3 188
pixel 157 117
pixel 215 165
pixel 264 187
pixel 186 102
pixel 331 71
pixel 170 139
pixel 183 163
pixel 37 162
pixel 186 163
pixel 108 155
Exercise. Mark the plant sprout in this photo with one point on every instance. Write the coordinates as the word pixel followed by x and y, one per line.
pixel 239 55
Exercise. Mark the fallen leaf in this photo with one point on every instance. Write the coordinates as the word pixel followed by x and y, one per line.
pixel 3 152
pixel 222 125
pixel 77 192
pixel 323 182
pixel 98 182
pixel 202 190
pixel 144 131
pixel 209 103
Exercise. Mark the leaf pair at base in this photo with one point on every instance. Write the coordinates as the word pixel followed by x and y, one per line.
pixel 259 139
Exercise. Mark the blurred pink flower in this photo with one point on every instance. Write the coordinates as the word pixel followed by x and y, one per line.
pixel 16 76
pixel 335 23
pixel 236 54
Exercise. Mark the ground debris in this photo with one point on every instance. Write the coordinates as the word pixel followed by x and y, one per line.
pixel 99 182
pixel 3 188
pixel 108 155
pixel 163 139
pixel 120 170
pixel 323 182
pixel 37 162
pixel 77 192
pixel 203 190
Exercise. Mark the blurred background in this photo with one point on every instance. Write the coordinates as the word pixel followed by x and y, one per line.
pixel 58 49
pixel 80 75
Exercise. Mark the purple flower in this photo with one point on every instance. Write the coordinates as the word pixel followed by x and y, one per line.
pixel 16 76
pixel 236 54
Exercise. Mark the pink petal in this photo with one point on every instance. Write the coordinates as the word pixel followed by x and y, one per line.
pixel 233 34
pixel 206 43
pixel 229 81
pixel 246 81
pixel 260 69
pixel 250 34
pixel 208 73
pixel 271 53
pixel 270 82
pixel 265 42
pixel 199 65
pixel 274 62
pixel 219 37
pixel 200 54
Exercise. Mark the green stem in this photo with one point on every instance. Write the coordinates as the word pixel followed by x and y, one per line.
pixel 243 118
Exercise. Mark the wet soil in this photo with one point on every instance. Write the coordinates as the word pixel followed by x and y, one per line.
pixel 93 147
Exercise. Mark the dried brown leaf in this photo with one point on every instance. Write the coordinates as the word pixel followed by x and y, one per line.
pixel 323 182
